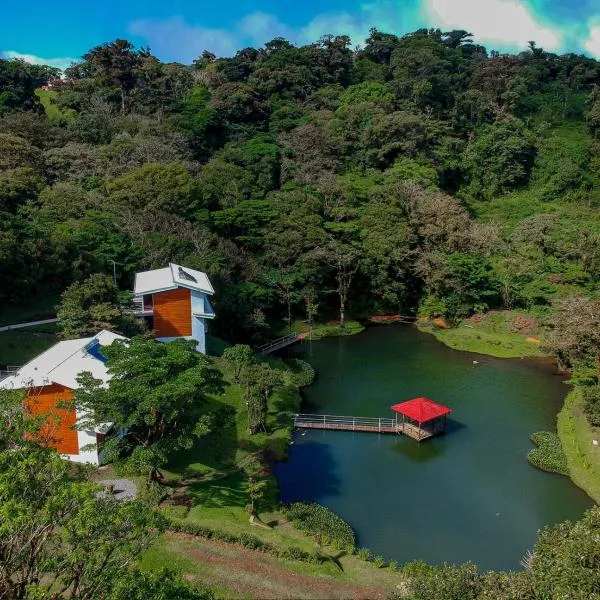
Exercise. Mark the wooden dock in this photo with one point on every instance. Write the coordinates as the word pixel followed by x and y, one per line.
pixel 367 424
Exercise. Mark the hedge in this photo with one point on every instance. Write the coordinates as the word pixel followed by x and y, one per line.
pixel 247 541
pixel 319 522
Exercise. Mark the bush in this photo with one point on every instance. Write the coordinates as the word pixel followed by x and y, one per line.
pixel 320 522
pixel 591 404
pixel 446 583
pixel 549 455
pixel 303 372
pixel 393 566
pixel 152 493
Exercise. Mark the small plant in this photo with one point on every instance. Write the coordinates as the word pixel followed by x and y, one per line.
pixel 393 566
pixel 379 561
pixel 364 554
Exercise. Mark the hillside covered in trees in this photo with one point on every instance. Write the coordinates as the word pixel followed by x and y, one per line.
pixel 419 173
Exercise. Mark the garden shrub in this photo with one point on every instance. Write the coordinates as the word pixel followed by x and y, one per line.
pixel 548 455
pixel 446 583
pixel 303 372
pixel 393 566
pixel 320 522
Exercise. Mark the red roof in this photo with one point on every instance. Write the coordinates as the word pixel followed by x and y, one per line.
pixel 422 409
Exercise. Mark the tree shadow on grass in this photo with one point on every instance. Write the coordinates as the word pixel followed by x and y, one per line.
pixel 213 451
pixel 230 491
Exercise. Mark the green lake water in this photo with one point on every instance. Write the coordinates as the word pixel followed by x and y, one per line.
pixel 467 495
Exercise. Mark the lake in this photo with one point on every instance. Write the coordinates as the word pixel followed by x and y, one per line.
pixel 467 495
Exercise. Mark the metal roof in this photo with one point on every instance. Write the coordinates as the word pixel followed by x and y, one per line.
pixel 421 409
pixel 170 278
pixel 63 362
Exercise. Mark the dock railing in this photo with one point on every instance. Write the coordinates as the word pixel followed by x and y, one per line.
pixel 281 342
pixel 343 422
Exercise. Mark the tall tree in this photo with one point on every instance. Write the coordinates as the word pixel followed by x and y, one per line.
pixel 95 304
pixel 116 64
pixel 158 395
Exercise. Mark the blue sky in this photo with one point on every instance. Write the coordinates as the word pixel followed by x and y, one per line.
pixel 60 31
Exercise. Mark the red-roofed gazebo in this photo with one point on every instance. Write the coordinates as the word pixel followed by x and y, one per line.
pixel 421 418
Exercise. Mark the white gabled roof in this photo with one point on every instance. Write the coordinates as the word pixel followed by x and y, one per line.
pixel 170 278
pixel 63 363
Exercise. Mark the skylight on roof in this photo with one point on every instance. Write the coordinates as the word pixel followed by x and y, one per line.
pixel 186 276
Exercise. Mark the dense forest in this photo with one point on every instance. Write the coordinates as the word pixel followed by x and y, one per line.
pixel 419 173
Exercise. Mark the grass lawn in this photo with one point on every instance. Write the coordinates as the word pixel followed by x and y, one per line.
pixel 21 345
pixel 209 480
pixel 504 334
pixel 576 436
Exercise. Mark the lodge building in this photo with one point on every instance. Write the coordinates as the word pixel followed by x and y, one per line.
pixel 175 302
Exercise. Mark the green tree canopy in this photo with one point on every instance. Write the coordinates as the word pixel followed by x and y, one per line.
pixel 158 395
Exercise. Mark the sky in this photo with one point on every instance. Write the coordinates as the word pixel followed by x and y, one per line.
pixel 59 32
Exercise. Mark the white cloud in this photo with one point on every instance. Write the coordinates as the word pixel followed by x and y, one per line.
pixel 592 44
pixel 61 63
pixel 174 39
pixel 506 23
pixel 343 23
pixel 259 27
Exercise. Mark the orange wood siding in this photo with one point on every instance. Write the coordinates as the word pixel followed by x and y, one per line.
pixel 57 431
pixel 173 313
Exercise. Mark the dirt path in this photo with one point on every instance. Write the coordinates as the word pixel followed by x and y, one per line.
pixel 253 574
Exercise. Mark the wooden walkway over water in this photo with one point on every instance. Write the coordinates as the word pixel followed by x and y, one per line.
pixel 368 424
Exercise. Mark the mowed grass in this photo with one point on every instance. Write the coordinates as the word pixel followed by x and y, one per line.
pixel 211 472
pixel 492 335
pixel 576 436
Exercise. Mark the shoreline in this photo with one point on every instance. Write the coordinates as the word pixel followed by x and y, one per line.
pixel 574 431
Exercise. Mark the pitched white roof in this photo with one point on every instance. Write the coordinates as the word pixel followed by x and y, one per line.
pixel 170 278
pixel 63 363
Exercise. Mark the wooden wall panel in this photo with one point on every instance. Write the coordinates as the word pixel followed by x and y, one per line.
pixel 57 431
pixel 173 313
